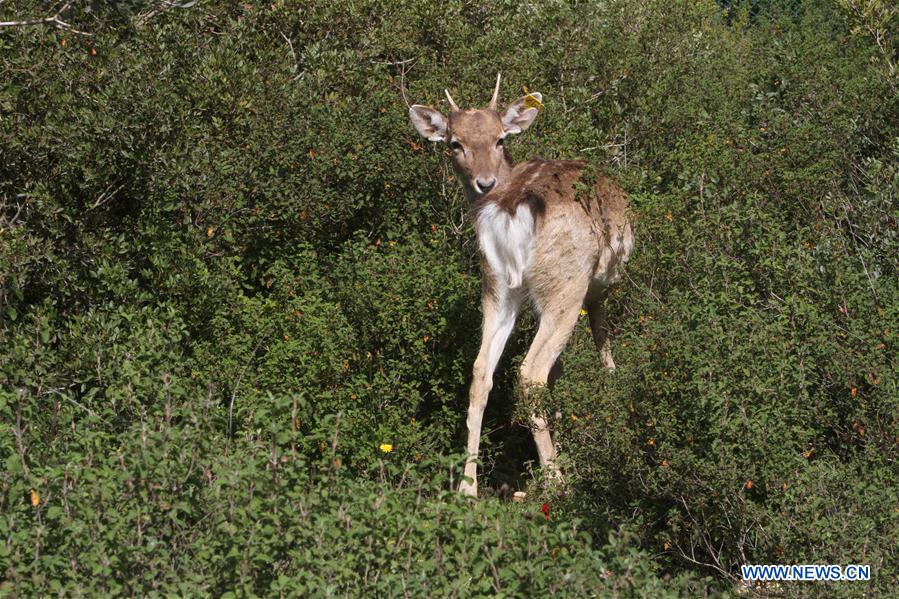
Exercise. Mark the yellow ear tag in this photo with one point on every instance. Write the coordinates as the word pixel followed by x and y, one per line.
pixel 530 100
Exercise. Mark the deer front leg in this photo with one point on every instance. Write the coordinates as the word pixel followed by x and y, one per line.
pixel 552 335
pixel 500 310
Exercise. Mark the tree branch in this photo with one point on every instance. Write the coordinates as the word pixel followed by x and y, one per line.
pixel 54 19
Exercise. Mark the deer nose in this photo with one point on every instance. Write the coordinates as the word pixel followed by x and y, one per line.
pixel 485 185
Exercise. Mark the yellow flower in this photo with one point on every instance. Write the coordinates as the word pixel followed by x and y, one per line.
pixel 583 312
pixel 35 498
pixel 386 447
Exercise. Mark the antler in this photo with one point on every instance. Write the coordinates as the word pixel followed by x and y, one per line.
pixel 450 98
pixel 492 105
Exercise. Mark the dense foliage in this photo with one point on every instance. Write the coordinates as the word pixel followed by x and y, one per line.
pixel 239 299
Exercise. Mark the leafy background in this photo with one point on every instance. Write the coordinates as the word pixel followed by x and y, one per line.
pixel 230 271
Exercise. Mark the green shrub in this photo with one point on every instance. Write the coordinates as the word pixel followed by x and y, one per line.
pixel 174 506
pixel 219 231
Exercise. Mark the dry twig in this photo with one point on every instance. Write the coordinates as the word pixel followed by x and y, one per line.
pixel 55 19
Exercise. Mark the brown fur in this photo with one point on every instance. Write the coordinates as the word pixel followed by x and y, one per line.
pixel 536 182
pixel 547 187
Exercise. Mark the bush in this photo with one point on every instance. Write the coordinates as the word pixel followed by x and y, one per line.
pixel 175 507
pixel 221 237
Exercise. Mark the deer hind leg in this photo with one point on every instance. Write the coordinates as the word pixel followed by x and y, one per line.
pixel 556 325
pixel 499 319
pixel 599 326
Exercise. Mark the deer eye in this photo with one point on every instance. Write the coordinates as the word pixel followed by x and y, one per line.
pixel 456 146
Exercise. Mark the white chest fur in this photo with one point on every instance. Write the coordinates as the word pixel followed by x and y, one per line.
pixel 507 241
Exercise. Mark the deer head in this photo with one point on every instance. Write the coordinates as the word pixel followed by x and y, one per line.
pixel 476 138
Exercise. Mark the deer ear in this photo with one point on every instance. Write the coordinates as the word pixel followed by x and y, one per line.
pixel 430 123
pixel 522 112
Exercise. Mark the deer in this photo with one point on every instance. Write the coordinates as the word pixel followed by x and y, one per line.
pixel 541 238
